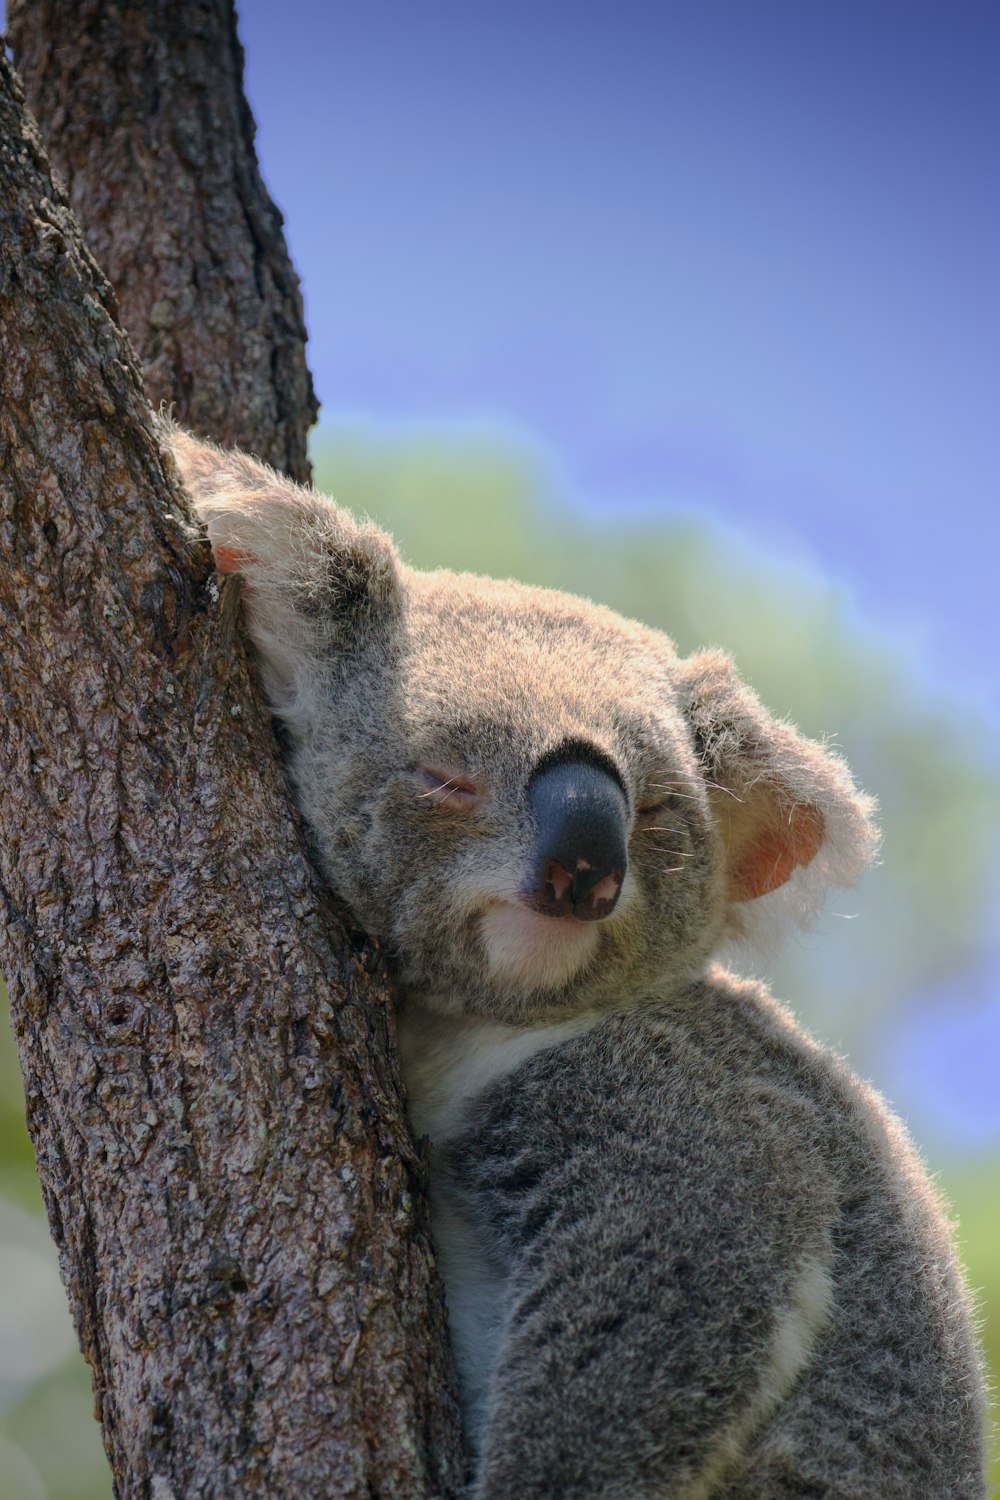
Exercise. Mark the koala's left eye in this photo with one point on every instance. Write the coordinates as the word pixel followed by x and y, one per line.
pixel 649 809
pixel 456 793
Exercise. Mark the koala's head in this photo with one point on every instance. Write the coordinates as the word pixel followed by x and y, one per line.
pixel 535 803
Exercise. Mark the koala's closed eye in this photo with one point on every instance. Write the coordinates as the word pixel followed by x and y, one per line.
pixel 650 807
pixel 455 792
pixel 666 790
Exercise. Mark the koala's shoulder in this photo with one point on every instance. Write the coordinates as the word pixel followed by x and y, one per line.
pixel 719 1057
pixel 718 1081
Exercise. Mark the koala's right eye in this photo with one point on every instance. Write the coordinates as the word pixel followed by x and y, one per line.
pixel 455 793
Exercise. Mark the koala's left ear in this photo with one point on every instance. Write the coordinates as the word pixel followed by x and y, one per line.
pixel 782 802
pixel 315 579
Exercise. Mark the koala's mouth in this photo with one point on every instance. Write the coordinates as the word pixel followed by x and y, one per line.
pixel 534 950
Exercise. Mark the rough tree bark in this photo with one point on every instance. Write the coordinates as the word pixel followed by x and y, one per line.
pixel 142 107
pixel 208 1068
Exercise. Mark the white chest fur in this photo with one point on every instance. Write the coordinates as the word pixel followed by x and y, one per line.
pixel 447 1061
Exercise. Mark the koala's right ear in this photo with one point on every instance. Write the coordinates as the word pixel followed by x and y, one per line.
pixel 316 581
pixel 784 805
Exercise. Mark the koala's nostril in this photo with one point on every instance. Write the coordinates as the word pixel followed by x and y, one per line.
pixel 605 893
pixel 596 896
pixel 581 818
pixel 559 880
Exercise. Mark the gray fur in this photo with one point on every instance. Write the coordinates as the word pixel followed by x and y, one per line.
pixel 688 1256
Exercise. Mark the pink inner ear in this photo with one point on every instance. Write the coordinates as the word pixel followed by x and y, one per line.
pixel 230 560
pixel 775 852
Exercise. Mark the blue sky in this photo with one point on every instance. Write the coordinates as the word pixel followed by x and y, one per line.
pixel 740 258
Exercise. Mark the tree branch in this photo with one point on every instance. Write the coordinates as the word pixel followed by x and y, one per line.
pixel 227 1172
pixel 143 109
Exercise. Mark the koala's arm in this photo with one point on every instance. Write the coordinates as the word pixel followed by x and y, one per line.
pixel 680 1321
pixel 664 1272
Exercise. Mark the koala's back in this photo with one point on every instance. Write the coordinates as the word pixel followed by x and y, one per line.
pixel 716 1269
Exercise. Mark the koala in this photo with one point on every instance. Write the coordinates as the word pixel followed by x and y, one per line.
pixel 687 1254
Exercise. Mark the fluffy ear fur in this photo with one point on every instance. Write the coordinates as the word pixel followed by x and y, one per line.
pixel 782 803
pixel 316 581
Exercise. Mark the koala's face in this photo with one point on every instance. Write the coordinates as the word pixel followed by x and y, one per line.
pixel 511 799
pixel 535 803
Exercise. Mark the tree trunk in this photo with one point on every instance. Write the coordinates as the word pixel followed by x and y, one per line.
pixel 208 1067
pixel 142 107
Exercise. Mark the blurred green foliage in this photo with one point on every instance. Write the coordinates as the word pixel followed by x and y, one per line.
pixel 482 503
pixel 58 1453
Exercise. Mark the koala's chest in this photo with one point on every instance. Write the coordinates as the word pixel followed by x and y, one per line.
pixel 448 1060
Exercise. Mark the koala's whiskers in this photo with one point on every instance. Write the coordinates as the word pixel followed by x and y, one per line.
pixel 670 786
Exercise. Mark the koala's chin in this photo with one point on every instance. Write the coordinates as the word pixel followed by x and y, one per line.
pixel 686 1252
pixel 531 951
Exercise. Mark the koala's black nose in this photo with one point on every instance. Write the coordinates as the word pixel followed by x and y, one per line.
pixel 580 858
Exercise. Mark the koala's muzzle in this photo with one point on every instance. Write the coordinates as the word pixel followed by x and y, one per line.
pixel 580 855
